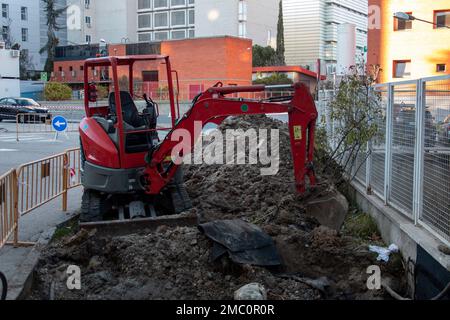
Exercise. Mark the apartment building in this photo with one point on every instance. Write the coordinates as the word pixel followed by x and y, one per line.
pixel 24 22
pixel 411 49
pixel 90 21
pixel 21 25
pixel 9 72
pixel 311 30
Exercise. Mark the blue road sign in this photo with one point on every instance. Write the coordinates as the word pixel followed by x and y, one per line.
pixel 59 124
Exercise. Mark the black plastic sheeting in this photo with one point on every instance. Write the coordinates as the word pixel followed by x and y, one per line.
pixel 245 243
pixel 431 276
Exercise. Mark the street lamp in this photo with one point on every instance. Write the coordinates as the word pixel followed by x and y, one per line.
pixel 408 17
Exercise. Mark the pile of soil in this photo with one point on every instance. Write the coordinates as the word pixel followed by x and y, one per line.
pixel 173 263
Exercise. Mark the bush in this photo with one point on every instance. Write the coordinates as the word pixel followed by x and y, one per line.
pixel 55 91
pixel 274 79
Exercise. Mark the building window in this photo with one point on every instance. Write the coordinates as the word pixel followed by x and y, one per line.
pixel 144 4
pixel 60 69
pixel 24 13
pixel 402 68
pixel 150 76
pixel 88 38
pixel 5 33
pixel 88 21
pixel 175 3
pixel 81 68
pixel 191 2
pixel 179 34
pixel 441 67
pixel 145 20
pixel 442 19
pixel 161 20
pixel 145 37
pixel 400 24
pixel 242 29
pixel 5 10
pixel 87 3
pixel 24 34
pixel 178 18
pixel 191 33
pixel 161 36
pixel 159 4
pixel 191 17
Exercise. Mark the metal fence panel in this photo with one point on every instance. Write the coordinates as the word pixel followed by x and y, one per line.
pixel 435 212
pixel 8 218
pixel 40 182
pixel 403 147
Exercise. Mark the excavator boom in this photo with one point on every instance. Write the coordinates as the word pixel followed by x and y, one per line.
pixel 213 106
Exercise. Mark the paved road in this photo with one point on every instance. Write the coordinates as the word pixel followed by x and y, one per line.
pixel 32 146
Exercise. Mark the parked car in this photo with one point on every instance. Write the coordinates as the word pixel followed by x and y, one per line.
pixel 405 127
pixel 444 131
pixel 11 107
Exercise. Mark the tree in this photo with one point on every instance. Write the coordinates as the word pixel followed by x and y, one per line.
pixel 280 35
pixel 355 112
pixel 52 15
pixel 265 56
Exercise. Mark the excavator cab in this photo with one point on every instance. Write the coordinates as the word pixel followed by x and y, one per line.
pixel 116 137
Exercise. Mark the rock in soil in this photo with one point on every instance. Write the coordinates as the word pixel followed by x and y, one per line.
pixel 173 263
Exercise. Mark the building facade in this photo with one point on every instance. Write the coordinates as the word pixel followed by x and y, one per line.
pixel 413 49
pixel 24 22
pixel 311 26
pixel 20 24
pixel 252 19
pixel 200 63
pixel 90 21
pixel 130 21
pixel 9 72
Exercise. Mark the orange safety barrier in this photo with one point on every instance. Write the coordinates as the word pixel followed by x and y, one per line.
pixel 34 184
pixel 8 212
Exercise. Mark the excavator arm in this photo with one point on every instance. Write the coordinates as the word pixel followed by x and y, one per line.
pixel 213 106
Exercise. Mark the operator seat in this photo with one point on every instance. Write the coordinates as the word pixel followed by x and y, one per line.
pixel 129 110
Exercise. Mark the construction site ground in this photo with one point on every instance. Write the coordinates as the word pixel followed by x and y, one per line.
pixel 174 262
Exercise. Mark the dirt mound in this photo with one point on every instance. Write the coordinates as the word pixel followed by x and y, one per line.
pixel 173 263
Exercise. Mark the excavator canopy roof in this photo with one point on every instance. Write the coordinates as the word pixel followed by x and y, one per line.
pixel 123 60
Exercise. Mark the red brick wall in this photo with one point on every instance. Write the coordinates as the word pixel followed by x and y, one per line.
pixel 203 61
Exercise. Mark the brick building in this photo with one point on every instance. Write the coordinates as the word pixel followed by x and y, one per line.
pixel 199 62
pixel 412 49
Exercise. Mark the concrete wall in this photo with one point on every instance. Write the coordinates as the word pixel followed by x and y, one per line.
pixel 9 75
pixel 262 21
pixel 397 229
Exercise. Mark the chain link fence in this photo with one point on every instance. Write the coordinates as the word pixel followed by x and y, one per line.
pixel 407 163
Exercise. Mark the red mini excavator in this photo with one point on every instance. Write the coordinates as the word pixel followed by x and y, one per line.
pixel 127 170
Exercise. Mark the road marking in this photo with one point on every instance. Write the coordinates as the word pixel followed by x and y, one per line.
pixel 8 150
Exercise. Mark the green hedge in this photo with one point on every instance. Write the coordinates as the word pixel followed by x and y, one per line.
pixel 55 91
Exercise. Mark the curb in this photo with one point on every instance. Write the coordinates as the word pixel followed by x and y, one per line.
pixel 21 284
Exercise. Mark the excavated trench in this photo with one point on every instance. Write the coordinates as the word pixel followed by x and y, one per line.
pixel 174 263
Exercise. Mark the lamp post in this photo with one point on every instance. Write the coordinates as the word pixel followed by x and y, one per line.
pixel 408 17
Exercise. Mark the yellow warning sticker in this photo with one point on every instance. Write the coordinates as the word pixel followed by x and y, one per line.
pixel 298 133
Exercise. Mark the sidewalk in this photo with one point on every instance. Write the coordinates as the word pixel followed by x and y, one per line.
pixel 38 226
